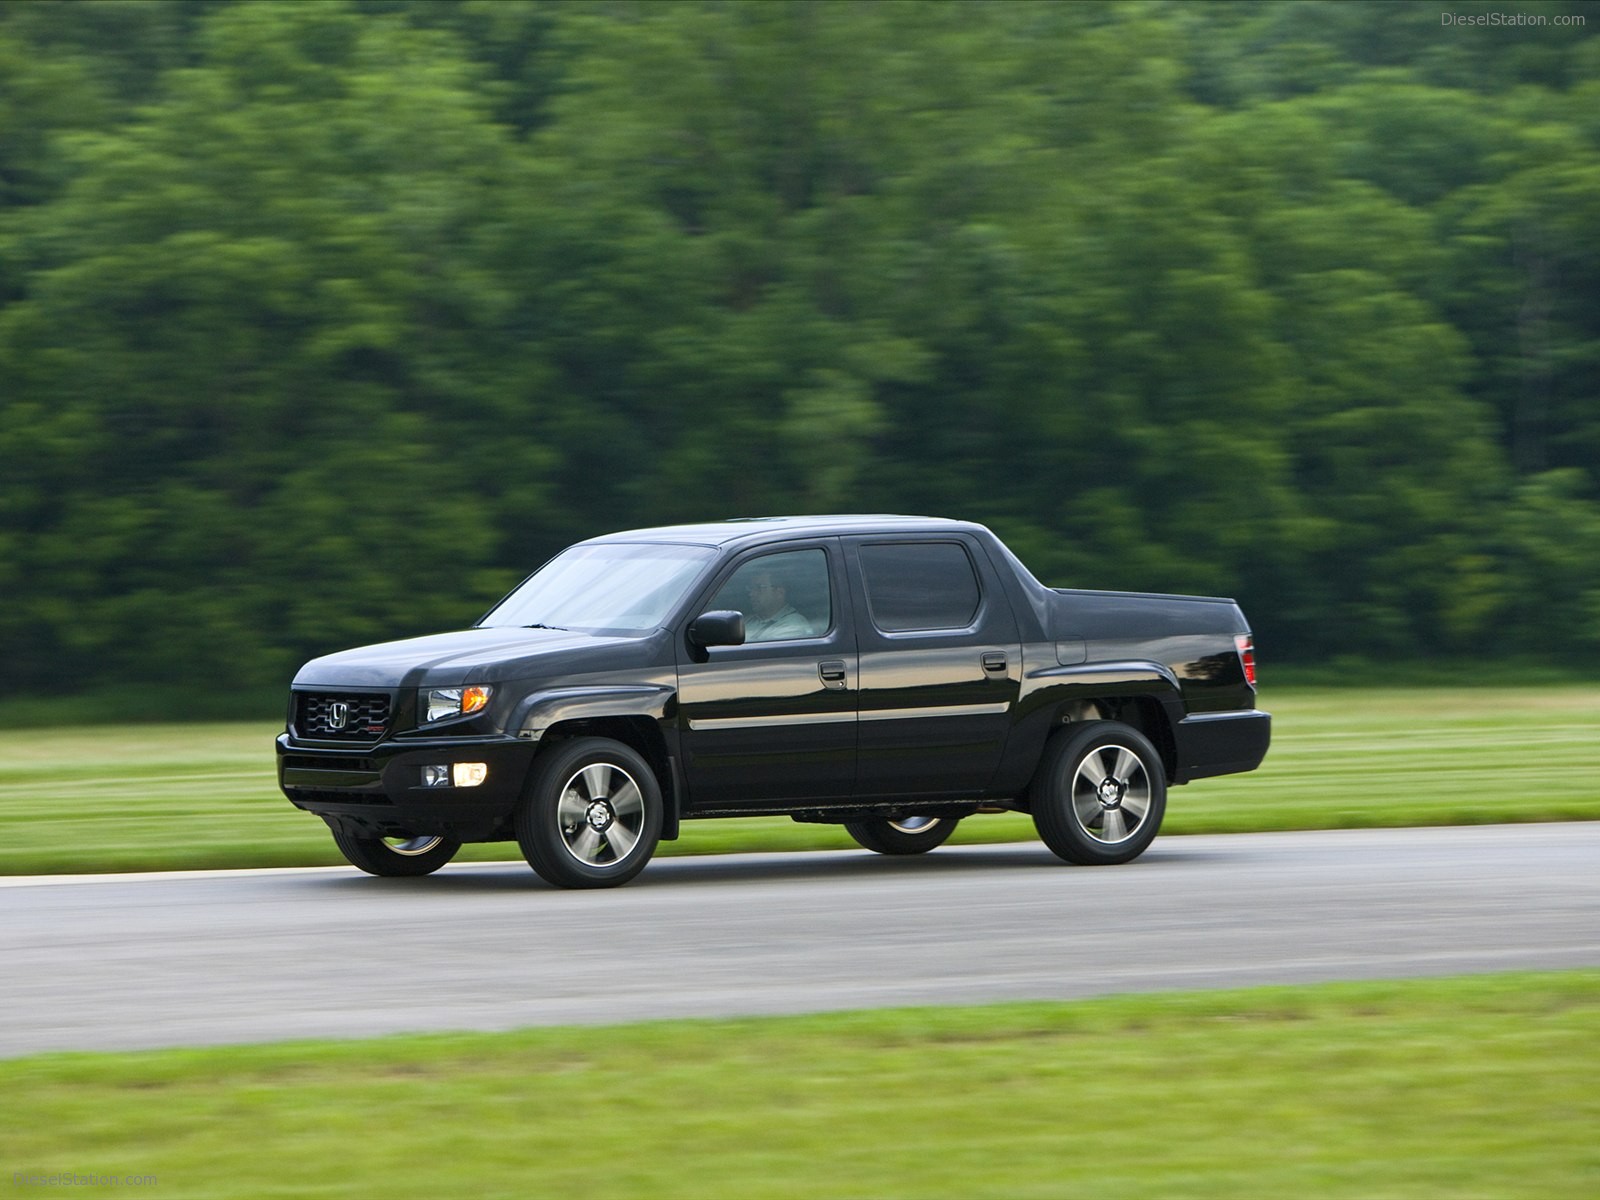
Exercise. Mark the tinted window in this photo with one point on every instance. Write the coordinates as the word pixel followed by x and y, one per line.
pixel 919 585
pixel 782 596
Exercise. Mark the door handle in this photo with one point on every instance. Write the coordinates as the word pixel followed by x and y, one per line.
pixel 995 662
pixel 832 672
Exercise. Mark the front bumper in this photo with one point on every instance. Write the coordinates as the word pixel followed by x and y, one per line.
pixel 377 791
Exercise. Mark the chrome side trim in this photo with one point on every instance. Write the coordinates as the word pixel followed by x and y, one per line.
pixel 941 710
pixel 834 718
pixel 820 718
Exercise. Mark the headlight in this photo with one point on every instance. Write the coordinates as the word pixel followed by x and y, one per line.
pixel 442 703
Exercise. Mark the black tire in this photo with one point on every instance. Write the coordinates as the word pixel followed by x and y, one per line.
pixel 421 855
pixel 591 814
pixel 1100 794
pixel 902 835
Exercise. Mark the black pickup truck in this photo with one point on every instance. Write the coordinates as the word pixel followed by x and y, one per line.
pixel 891 674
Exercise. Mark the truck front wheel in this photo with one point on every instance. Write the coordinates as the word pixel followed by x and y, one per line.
pixel 396 856
pixel 591 815
pixel 1100 794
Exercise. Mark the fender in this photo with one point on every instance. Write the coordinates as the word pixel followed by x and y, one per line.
pixel 1133 677
pixel 1047 690
pixel 538 711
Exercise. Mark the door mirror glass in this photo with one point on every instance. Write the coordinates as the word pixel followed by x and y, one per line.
pixel 721 627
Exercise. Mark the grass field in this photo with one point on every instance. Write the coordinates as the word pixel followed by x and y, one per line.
pixel 154 797
pixel 1479 1087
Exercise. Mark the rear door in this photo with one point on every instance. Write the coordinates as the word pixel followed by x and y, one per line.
pixel 940 665
pixel 773 722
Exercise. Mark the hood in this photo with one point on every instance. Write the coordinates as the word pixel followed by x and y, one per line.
pixel 466 656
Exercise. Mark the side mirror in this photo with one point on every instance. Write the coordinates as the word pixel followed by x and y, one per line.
pixel 717 628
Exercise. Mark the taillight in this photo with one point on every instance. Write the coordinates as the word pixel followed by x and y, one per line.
pixel 1246 645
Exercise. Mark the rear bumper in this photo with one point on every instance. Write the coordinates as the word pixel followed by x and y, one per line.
pixel 1224 743
pixel 378 791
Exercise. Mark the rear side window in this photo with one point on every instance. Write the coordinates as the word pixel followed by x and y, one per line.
pixel 919 585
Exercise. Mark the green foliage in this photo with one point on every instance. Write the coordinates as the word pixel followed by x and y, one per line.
pixel 322 323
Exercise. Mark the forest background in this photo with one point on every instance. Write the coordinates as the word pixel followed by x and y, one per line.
pixel 323 323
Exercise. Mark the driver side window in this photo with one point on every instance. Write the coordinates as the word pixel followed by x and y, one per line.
pixel 782 596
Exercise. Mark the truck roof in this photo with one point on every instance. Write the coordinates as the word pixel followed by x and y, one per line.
pixel 720 533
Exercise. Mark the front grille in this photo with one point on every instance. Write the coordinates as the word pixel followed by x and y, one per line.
pixel 343 716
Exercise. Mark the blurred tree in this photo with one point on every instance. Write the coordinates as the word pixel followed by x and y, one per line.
pixel 511 40
pixel 276 287
pixel 320 323
pixel 1526 269
pixel 1552 539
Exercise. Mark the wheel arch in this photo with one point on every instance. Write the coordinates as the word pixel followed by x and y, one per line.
pixel 1149 713
pixel 632 714
pixel 1144 695
pixel 641 735
pixel 1149 716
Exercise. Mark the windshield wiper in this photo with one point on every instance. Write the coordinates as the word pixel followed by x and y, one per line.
pixel 557 628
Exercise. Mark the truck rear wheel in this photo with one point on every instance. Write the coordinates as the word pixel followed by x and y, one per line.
pixel 396 856
pixel 1099 794
pixel 591 815
pixel 901 835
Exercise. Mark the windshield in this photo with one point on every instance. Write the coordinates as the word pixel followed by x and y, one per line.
pixel 620 587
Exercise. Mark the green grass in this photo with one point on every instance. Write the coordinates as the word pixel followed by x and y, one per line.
pixel 1480 1087
pixel 152 796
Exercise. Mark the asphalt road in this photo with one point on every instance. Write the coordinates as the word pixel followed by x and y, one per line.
pixel 116 962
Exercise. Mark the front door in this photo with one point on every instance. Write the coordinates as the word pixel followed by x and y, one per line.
pixel 772 723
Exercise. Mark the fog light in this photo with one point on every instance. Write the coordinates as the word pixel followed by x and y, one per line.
pixel 436 776
pixel 470 774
